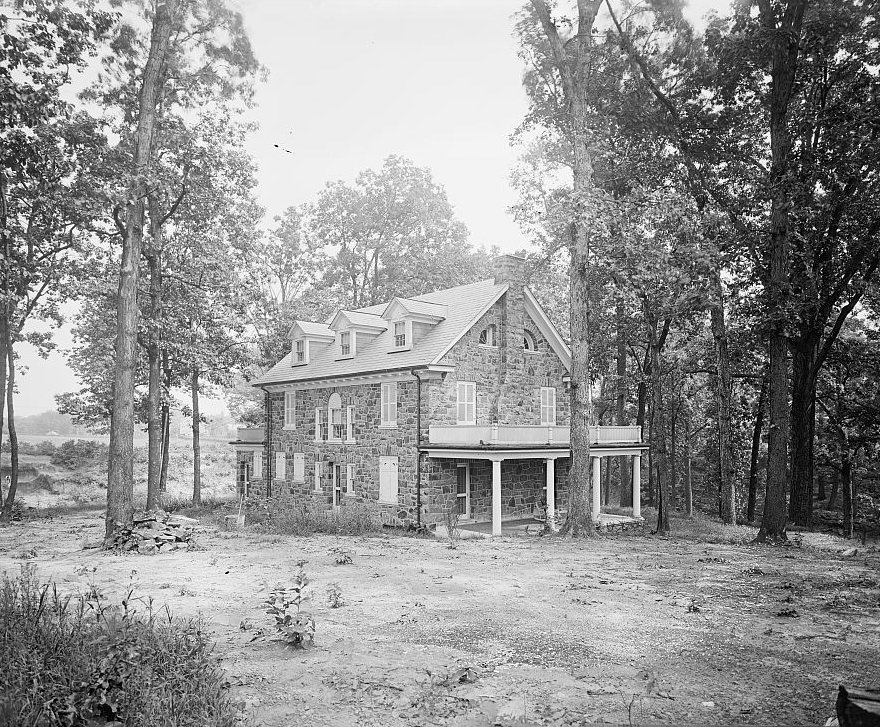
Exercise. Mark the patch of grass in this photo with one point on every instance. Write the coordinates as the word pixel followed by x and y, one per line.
pixel 306 519
pixel 184 505
pixel 701 528
pixel 77 660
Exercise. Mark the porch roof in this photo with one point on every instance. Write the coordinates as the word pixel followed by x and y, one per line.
pixel 525 451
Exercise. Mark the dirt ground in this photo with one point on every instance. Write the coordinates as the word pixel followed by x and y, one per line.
pixel 630 630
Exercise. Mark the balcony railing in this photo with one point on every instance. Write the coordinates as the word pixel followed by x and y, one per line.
pixel 251 434
pixel 510 434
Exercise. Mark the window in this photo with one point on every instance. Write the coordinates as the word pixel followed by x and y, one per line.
pixel 548 405
pixel 299 467
pixel 290 410
pixel 258 466
pixel 463 490
pixel 280 465
pixel 345 343
pixel 389 405
pixel 467 402
pixel 399 334
pixel 349 424
pixel 487 335
pixel 388 480
pixel 299 351
pixel 334 416
pixel 529 342
pixel 349 479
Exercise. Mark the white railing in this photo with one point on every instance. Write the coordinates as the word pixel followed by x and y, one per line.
pixel 251 434
pixel 502 434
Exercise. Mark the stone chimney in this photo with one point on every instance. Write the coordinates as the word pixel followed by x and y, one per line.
pixel 510 269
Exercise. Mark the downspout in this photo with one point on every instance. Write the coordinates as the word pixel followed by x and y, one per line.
pixel 418 448
pixel 267 464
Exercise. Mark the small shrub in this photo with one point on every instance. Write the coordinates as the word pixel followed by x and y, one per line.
pixel 77 660
pixel 294 626
pixel 75 453
pixel 341 556
pixel 450 517
pixel 334 596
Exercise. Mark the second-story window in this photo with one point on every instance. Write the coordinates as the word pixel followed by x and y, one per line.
pixel 299 351
pixel 399 334
pixel 389 405
pixel 345 343
pixel 548 405
pixel 487 335
pixel 334 416
pixel 467 402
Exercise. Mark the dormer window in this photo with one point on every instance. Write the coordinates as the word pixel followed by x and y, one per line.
pixel 399 334
pixel 345 343
pixel 299 351
pixel 487 336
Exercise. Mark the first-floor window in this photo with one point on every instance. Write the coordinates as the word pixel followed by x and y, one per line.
pixel 467 402
pixel 548 405
pixel 388 484
pixel 280 465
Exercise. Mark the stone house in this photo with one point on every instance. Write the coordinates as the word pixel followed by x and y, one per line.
pixel 455 400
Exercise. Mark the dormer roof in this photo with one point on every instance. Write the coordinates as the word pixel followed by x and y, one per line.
pixel 423 310
pixel 357 320
pixel 312 330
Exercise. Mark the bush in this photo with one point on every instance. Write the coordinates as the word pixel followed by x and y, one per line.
pixel 184 505
pixel 76 660
pixel 75 453
pixel 306 519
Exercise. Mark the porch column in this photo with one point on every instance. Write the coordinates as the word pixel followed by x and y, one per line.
pixel 496 497
pixel 637 485
pixel 597 486
pixel 551 488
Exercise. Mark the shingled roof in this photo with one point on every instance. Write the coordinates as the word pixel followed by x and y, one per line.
pixel 464 306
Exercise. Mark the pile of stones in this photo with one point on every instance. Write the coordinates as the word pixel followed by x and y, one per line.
pixel 155 532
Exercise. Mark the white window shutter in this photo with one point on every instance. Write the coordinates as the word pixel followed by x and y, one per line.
pixel 349 424
pixel 388 480
pixel 257 472
pixel 317 425
pixel 349 479
pixel 280 465
pixel 317 475
pixel 299 467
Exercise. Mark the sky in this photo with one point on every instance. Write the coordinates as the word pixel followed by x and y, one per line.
pixel 353 81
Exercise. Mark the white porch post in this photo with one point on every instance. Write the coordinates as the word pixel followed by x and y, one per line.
pixel 597 487
pixel 637 485
pixel 551 488
pixel 496 497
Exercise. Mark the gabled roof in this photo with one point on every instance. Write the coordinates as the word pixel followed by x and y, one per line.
pixel 357 319
pixel 464 305
pixel 308 329
pixel 414 307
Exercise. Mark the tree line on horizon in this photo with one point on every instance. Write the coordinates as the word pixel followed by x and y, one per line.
pixel 702 207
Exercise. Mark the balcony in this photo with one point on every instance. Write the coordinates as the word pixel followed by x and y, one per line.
pixel 518 435
pixel 254 435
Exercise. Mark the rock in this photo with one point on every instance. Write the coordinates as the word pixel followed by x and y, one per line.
pixel 147 547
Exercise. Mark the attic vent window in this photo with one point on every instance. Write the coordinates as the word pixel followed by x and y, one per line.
pixel 399 334
pixel 529 342
pixel 487 336
pixel 299 351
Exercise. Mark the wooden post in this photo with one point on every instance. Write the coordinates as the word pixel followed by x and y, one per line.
pixel 496 497
pixel 597 487
pixel 637 485
pixel 551 489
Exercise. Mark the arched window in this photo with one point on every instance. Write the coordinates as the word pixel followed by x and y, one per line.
pixel 529 342
pixel 334 416
pixel 487 335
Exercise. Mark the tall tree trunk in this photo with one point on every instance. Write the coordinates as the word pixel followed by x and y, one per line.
pixel 846 484
pixel 756 451
pixel 673 464
pixel 659 427
pixel 723 395
pixel 688 474
pixel 651 458
pixel 803 427
pixel 783 45
pixel 575 70
pixel 120 475
pixel 820 481
pixel 196 444
pixel 620 404
pixel 13 435
pixel 2 395
pixel 835 486
pixel 166 421
pixel 606 482
pixel 6 313
pixel 154 387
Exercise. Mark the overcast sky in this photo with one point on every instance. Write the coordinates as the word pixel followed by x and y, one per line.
pixel 352 81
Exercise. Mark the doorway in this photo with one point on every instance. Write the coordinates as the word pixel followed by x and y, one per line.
pixel 463 491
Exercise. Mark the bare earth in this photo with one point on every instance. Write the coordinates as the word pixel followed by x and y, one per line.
pixel 620 630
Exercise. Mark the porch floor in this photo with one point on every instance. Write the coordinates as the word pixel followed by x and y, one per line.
pixel 519 526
